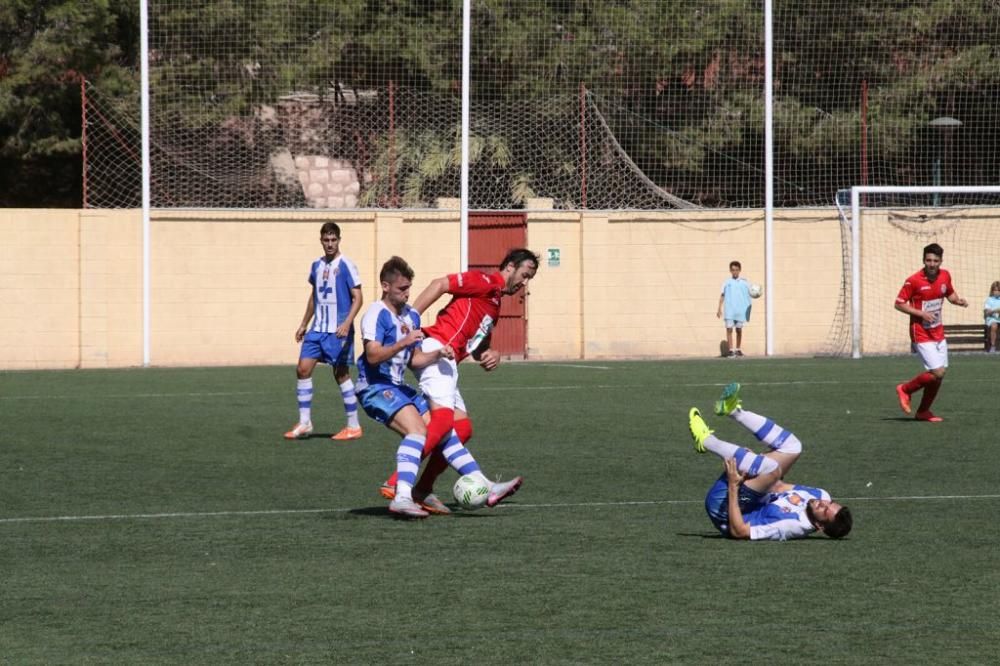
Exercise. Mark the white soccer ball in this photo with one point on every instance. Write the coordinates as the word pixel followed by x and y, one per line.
pixel 756 290
pixel 471 492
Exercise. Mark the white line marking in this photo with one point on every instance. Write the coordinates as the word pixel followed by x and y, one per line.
pixel 567 365
pixel 280 512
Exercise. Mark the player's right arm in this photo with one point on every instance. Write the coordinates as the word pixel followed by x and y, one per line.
pixel 903 304
pixel 306 318
pixel 376 352
pixel 738 528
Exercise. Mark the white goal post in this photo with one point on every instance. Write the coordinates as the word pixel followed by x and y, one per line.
pixel 857 192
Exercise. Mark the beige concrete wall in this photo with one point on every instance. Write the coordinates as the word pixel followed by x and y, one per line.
pixel 230 288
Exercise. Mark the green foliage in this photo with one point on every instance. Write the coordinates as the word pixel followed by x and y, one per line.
pixel 46 46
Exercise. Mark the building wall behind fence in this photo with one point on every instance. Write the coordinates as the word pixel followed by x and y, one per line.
pixel 229 288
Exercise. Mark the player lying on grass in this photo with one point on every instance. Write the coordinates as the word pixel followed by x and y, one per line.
pixel 390 332
pixel 750 500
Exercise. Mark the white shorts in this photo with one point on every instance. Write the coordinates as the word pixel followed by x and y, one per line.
pixel 730 323
pixel 439 381
pixel 933 354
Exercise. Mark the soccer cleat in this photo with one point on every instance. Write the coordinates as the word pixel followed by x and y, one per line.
pixel 904 398
pixel 729 400
pixel 699 429
pixel 300 431
pixel 928 416
pixel 501 491
pixel 387 491
pixel 347 433
pixel 431 504
pixel 406 508
pixel 739 352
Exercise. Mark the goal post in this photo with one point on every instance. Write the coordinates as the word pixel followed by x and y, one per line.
pixel 882 252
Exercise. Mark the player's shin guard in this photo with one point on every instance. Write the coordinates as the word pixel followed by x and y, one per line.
pixel 304 393
pixel 768 432
pixel 350 403
pixel 748 462
pixel 921 381
pixel 930 393
pixel 463 428
pixel 407 464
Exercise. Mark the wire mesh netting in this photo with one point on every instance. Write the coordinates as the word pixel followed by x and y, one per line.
pixel 595 105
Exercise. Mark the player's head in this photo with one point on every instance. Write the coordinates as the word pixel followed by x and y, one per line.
pixel 835 520
pixel 329 236
pixel 396 277
pixel 518 267
pixel 932 259
pixel 735 267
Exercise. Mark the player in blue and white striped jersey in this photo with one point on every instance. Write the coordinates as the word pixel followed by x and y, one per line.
pixel 334 301
pixel 750 500
pixel 390 333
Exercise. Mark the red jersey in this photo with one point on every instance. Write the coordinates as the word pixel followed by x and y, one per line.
pixel 928 296
pixel 472 312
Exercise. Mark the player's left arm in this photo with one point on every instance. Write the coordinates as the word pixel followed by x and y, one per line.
pixel 356 300
pixel 738 528
pixel 487 357
pixel 955 299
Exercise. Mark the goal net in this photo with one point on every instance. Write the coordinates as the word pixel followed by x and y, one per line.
pixel 883 232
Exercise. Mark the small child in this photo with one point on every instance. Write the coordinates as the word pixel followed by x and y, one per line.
pixel 734 307
pixel 991 314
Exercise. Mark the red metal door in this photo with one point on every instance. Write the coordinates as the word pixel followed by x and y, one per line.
pixel 491 236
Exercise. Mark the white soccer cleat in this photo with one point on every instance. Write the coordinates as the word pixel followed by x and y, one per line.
pixel 501 491
pixel 300 431
pixel 406 508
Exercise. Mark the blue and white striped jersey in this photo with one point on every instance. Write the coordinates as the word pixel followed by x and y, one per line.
pixel 784 515
pixel 382 325
pixel 332 283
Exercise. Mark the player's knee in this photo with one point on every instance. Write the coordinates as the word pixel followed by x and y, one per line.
pixel 792 445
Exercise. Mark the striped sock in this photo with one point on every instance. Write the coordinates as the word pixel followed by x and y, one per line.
pixel 350 403
pixel 459 457
pixel 304 391
pixel 407 464
pixel 748 462
pixel 767 431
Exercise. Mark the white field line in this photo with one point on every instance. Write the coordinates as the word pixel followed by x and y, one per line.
pixel 574 505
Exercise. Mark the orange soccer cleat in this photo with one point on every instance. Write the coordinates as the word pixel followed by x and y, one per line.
pixel 904 398
pixel 347 433
pixel 928 416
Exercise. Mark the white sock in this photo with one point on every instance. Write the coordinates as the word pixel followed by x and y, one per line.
pixel 748 462
pixel 767 431
pixel 304 392
pixel 350 403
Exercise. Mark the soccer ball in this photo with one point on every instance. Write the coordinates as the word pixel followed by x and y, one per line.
pixel 471 492
pixel 756 290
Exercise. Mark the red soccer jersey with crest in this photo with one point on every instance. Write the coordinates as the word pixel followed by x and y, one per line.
pixel 928 296
pixel 472 313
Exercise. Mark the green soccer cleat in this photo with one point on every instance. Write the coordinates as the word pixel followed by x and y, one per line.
pixel 729 400
pixel 699 429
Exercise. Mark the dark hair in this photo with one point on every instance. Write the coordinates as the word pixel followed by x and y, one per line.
pixel 934 248
pixel 519 256
pixel 330 228
pixel 841 524
pixel 393 268
pixel 735 264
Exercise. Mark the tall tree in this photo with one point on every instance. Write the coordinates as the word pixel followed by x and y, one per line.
pixel 45 47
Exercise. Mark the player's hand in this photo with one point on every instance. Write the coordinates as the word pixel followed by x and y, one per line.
pixel 300 333
pixel 343 330
pixel 413 336
pixel 733 475
pixel 489 359
pixel 446 352
pixel 961 302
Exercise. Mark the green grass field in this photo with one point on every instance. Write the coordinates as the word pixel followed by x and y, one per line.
pixel 158 517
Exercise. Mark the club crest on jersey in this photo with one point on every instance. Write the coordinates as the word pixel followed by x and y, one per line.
pixel 944 288
pixel 388 394
pixel 404 329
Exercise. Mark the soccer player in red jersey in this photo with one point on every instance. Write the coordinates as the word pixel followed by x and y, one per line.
pixel 922 298
pixel 465 327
